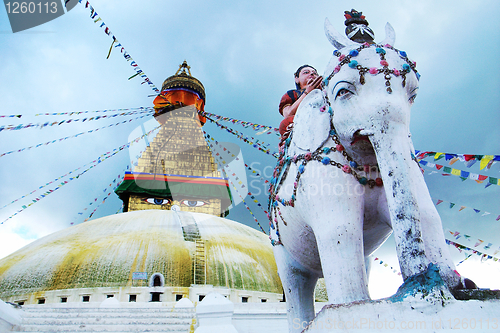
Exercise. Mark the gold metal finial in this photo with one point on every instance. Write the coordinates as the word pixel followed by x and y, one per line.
pixel 183 67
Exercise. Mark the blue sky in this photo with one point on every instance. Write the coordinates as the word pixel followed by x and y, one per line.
pixel 245 54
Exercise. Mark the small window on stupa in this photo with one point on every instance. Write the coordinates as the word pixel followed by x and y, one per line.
pixel 157 281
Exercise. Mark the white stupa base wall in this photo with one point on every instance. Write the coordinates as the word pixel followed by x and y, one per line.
pixel 412 316
pixel 422 304
pixel 261 317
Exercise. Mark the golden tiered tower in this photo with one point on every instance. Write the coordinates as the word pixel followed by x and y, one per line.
pixel 177 170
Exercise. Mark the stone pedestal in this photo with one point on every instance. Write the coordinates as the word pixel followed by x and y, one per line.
pixel 422 304
pixel 414 316
pixel 215 315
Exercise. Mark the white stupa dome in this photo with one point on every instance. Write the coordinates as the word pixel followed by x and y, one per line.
pixel 107 251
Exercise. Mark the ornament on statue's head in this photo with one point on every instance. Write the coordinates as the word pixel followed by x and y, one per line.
pixel 357 27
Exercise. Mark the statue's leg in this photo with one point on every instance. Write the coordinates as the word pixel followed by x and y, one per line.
pixel 436 249
pixel 340 246
pixel 298 285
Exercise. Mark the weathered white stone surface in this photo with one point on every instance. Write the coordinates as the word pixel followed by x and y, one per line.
pixel 422 304
pixel 325 221
pixel 215 314
pixel 110 303
pixel 184 303
pixel 142 317
pixel 10 317
pixel 413 316
pixel 261 317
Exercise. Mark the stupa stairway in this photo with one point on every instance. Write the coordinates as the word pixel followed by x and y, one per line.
pixel 82 319
pixel 192 234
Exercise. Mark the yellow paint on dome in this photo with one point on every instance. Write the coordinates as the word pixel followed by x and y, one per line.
pixel 106 251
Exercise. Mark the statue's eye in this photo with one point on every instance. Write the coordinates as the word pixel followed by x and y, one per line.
pixel 157 201
pixel 412 99
pixel 193 203
pixel 343 92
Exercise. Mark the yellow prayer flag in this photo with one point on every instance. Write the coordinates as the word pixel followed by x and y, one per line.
pixel 455 172
pixel 437 155
pixel 485 160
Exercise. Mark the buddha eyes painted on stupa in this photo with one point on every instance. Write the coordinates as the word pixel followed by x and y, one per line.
pixel 193 203
pixel 157 201
pixel 183 202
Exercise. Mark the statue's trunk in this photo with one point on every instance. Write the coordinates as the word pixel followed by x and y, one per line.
pixel 393 150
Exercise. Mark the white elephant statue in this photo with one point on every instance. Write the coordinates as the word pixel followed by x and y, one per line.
pixel 347 177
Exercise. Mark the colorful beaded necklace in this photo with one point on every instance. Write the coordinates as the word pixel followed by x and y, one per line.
pixel 380 49
pixel 283 165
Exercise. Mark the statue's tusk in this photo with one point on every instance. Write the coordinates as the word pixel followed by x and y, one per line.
pixel 365 132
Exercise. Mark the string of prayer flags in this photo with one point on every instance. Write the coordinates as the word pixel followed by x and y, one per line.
pixel 117 181
pixel 261 146
pixel 464 175
pixel 457 235
pixel 486 161
pixel 11 116
pixel 222 164
pixel 58 123
pixel 69 137
pixel 452 204
pixel 252 196
pixel 44 195
pixel 120 210
pixel 381 262
pixel 73 113
pixel 460 247
pixel 94 163
pixel 246 124
pixel 112 187
pixel 139 72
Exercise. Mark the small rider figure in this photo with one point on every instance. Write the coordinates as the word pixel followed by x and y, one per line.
pixel 306 80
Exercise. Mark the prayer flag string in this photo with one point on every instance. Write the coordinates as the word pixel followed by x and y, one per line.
pixel 469 159
pixel 478 242
pixel 381 262
pixel 223 166
pixel 460 247
pixel 252 196
pixel 69 137
pixel 452 205
pixel 246 124
pixel 58 123
pixel 261 146
pixel 94 163
pixel 464 175
pixel 73 113
pixel 139 72
pixel 11 116
pixel 112 187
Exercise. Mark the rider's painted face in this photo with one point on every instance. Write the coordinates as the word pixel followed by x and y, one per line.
pixel 306 74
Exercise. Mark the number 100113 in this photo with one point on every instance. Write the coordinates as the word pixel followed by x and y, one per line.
pixel 31 7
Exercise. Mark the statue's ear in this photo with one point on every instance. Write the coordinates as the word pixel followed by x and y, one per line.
pixel 311 124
